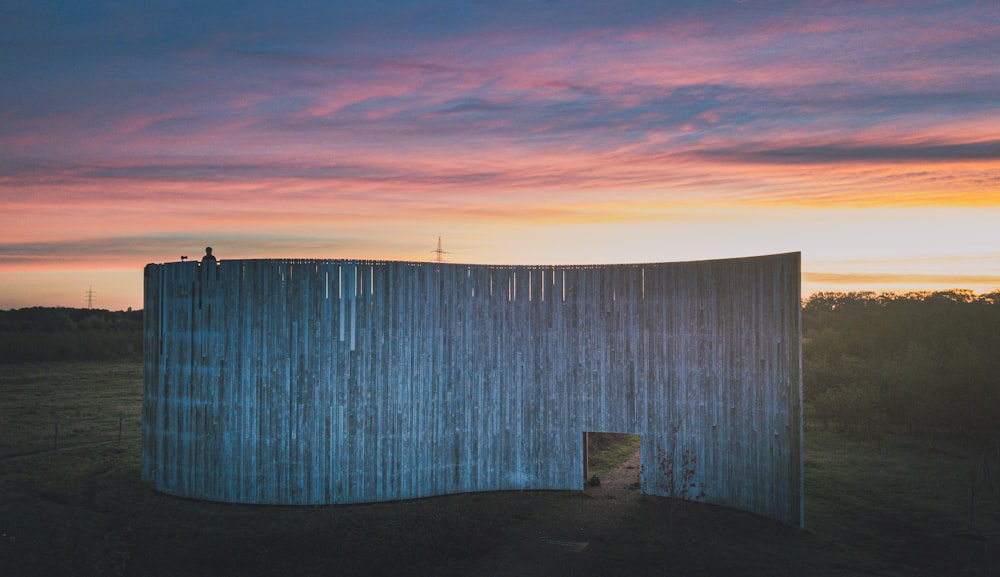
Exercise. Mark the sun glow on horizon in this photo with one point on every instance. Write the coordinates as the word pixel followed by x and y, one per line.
pixel 653 132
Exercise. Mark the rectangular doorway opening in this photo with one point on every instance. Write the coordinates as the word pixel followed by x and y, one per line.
pixel 611 458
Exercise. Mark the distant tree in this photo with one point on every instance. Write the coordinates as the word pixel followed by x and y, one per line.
pixel 924 362
pixel 67 334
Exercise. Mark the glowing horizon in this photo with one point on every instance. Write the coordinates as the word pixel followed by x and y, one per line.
pixel 865 136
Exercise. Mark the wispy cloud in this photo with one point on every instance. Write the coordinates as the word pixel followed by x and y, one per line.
pixel 282 119
pixel 112 252
pixel 879 279
pixel 865 153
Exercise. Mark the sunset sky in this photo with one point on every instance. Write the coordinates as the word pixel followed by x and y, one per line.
pixel 864 134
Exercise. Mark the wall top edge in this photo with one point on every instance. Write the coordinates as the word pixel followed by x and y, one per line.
pixel 375 262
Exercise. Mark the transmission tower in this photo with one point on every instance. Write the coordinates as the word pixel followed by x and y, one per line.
pixel 439 252
pixel 90 297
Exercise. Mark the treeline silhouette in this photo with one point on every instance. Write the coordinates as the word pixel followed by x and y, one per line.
pixel 70 334
pixel 925 363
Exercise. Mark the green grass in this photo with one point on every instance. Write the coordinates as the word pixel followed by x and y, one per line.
pixel 897 509
pixel 608 450
pixel 900 509
pixel 67 403
pixel 903 501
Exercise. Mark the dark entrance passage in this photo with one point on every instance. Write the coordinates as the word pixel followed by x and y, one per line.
pixel 613 458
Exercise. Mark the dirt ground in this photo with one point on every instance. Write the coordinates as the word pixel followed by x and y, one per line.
pixel 898 508
pixel 84 511
pixel 101 520
pixel 566 540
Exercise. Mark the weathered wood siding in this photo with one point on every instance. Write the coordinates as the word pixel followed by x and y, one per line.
pixel 337 381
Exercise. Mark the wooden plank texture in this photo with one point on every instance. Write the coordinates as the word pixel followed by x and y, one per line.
pixel 340 381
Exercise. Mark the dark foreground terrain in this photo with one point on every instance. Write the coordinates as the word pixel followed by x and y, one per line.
pixel 893 507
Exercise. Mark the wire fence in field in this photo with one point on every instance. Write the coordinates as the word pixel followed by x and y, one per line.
pixel 66 434
pixel 56 406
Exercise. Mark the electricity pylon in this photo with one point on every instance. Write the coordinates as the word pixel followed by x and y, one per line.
pixel 439 252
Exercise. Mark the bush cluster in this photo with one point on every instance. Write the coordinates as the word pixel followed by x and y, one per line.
pixel 67 334
pixel 927 363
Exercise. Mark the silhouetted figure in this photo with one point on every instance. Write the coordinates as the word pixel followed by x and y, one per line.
pixel 208 264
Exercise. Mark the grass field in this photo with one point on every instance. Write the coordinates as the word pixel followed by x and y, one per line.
pixel 900 508
pixel 53 404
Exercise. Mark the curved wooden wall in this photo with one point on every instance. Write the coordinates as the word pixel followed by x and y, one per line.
pixel 338 381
